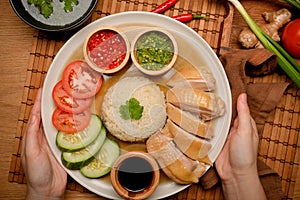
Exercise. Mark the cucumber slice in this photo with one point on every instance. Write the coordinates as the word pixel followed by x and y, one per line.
pixel 103 161
pixel 74 142
pixel 75 159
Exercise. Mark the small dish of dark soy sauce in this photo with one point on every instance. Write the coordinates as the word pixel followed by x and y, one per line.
pixel 135 175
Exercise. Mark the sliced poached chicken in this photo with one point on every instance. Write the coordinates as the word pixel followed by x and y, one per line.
pixel 194 147
pixel 189 76
pixel 177 166
pixel 206 105
pixel 190 122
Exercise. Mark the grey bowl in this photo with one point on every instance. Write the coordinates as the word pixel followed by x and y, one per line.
pixel 27 18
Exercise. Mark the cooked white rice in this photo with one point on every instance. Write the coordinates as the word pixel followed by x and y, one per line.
pixel 150 97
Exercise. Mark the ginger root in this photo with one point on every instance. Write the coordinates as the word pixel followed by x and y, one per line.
pixel 275 20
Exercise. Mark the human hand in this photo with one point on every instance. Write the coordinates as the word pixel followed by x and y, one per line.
pixel 237 162
pixel 46 179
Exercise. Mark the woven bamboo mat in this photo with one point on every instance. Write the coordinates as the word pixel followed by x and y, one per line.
pixel 279 146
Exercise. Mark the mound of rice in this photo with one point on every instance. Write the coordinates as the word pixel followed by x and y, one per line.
pixel 150 97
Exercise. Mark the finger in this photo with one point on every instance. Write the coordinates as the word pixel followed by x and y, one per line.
pixel 33 126
pixel 254 128
pixel 244 117
pixel 36 109
pixel 235 123
pixel 233 128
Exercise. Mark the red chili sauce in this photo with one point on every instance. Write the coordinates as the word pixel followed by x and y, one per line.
pixel 107 49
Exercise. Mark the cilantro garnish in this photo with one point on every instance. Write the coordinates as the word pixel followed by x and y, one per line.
pixel 69 4
pixel 46 6
pixel 131 110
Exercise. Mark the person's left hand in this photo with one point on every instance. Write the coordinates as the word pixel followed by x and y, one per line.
pixel 46 179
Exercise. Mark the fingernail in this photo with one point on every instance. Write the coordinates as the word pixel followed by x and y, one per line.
pixel 243 97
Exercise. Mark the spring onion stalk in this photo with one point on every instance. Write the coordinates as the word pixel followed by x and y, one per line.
pixel 285 61
pixel 283 52
pixel 295 3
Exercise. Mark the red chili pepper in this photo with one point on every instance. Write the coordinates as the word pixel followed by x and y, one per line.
pixel 188 17
pixel 164 6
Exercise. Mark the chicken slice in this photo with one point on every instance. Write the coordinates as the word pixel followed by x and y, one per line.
pixel 205 104
pixel 190 122
pixel 192 146
pixel 189 76
pixel 173 162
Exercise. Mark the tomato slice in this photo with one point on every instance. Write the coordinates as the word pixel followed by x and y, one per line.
pixel 80 81
pixel 69 122
pixel 67 103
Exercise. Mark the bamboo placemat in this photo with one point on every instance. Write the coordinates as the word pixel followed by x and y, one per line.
pixel 279 146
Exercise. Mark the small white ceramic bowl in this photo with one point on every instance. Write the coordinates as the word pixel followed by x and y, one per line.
pixel 106 50
pixel 154 37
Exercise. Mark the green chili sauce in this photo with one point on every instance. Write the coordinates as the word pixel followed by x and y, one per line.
pixel 154 50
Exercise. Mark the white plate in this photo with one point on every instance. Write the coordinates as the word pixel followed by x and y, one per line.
pixel 189 44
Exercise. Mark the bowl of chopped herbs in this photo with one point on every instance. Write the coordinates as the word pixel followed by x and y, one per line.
pixel 154 51
pixel 54 15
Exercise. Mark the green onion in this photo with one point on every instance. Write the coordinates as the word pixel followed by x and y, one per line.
pixel 295 3
pixel 285 61
pixel 283 52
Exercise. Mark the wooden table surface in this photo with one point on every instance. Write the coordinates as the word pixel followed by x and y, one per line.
pixel 16 41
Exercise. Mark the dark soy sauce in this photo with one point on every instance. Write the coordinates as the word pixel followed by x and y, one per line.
pixel 135 174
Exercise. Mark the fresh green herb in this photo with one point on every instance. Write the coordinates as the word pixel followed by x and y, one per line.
pixel 285 61
pixel 154 50
pixel 45 6
pixel 69 4
pixel 131 110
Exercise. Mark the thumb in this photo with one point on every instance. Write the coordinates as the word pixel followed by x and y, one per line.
pixel 244 116
pixel 33 125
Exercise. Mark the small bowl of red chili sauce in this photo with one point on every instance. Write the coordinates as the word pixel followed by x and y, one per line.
pixel 154 51
pixel 106 50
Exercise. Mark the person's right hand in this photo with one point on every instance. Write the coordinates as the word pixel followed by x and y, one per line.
pixel 237 162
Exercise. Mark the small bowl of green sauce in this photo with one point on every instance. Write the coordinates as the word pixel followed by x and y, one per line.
pixel 154 51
